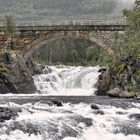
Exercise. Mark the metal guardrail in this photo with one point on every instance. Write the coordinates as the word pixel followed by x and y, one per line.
pixel 69 22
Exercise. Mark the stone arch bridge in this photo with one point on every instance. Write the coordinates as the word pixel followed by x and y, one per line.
pixel 34 35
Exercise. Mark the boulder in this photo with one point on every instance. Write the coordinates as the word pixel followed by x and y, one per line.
pixel 96 109
pixel 127 94
pixel 103 83
pixel 57 103
pixel 94 106
pixel 102 70
pixel 47 70
pixel 99 112
pixel 135 116
pixel 121 113
pixel 8 113
pixel 116 92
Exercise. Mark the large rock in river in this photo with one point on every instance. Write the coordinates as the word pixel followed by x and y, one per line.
pixel 7 113
pixel 103 83
pixel 116 92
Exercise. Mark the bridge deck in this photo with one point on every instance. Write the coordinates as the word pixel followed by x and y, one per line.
pixel 95 25
pixel 73 28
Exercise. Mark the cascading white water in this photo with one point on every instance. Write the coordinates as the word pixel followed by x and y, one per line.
pixel 40 121
pixel 67 80
pixel 75 119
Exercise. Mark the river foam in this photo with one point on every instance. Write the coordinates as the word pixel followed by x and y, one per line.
pixel 40 121
pixel 67 81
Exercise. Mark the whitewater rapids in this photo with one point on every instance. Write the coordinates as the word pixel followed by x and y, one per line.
pixel 67 80
pixel 40 121
pixel 74 87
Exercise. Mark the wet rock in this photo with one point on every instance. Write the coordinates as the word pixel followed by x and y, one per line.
pixel 96 109
pixel 51 78
pixel 135 116
pixel 94 106
pixel 25 127
pixel 127 128
pixel 116 92
pixel 99 112
pixel 48 79
pixel 49 103
pixel 34 68
pixel 19 79
pixel 81 119
pixel 8 113
pixel 57 103
pixel 128 94
pixel 103 83
pixel 120 113
pixel 47 70
pixel 102 70
pixel 88 122
pixel 100 92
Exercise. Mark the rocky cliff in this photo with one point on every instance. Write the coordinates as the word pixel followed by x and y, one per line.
pixel 15 77
pixel 122 79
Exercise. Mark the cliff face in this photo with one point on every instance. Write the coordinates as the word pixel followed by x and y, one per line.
pixel 18 78
pixel 122 79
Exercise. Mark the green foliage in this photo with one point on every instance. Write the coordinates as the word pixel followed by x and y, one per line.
pixel 92 53
pixel 138 73
pixel 132 35
pixel 73 52
pixel 119 66
pixel 10 26
pixel 104 58
pixel 4 72
pixel 133 88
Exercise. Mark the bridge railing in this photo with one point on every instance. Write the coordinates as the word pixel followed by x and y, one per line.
pixel 69 22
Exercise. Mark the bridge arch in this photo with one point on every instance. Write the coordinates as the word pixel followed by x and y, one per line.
pixel 44 38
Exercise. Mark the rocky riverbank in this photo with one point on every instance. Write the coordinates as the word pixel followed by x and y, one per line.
pixel 15 76
pixel 122 79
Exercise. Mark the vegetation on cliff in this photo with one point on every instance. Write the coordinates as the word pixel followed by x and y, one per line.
pixel 14 74
pixel 126 67
pixel 4 72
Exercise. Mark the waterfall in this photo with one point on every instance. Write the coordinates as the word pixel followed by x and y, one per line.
pixel 82 117
pixel 67 80
pixel 41 121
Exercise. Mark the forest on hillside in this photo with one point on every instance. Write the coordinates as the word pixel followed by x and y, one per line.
pixel 71 51
pixel 42 9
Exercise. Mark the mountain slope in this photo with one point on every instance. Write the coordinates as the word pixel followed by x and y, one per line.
pixel 63 8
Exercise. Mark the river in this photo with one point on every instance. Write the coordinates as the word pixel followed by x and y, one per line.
pixel 82 116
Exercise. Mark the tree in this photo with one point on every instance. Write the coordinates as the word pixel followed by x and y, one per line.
pixel 11 31
pixel 10 26
pixel 126 65
pixel 132 34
